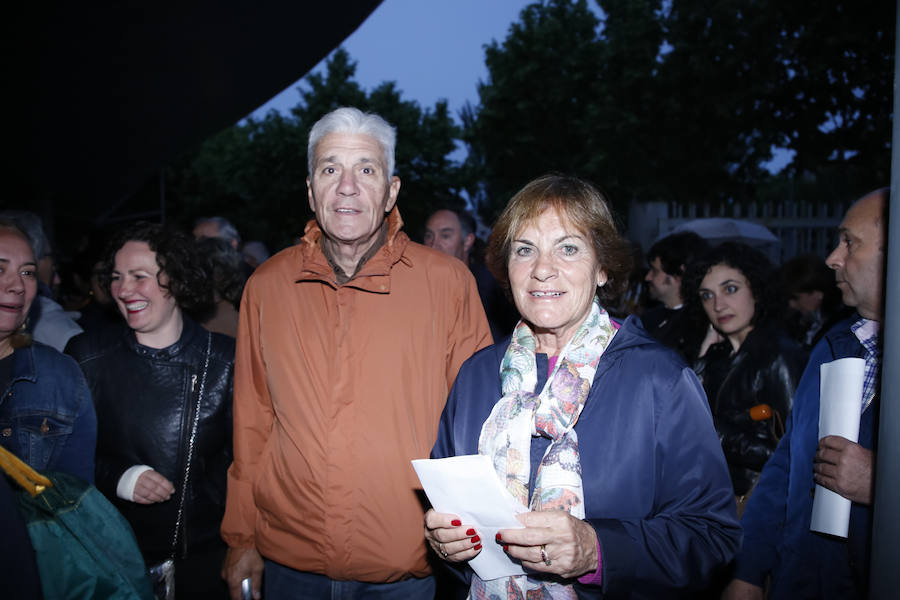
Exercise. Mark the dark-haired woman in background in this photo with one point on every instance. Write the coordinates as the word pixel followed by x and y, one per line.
pixel 162 388
pixel 748 366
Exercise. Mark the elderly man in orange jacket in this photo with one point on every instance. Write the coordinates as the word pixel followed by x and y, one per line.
pixel 348 345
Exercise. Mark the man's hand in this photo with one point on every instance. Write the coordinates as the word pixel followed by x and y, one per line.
pixel 151 487
pixel 741 590
pixel 239 564
pixel 844 467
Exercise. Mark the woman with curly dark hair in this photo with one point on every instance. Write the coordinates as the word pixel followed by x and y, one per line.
pixel 748 366
pixel 162 390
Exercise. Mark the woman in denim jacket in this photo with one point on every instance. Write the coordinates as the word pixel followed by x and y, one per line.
pixel 46 413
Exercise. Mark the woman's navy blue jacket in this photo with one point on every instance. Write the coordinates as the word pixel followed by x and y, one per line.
pixel 46 414
pixel 656 486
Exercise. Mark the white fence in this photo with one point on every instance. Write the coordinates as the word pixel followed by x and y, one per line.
pixel 801 228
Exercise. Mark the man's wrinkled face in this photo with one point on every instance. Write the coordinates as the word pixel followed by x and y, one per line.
pixel 858 260
pixel 443 232
pixel 349 189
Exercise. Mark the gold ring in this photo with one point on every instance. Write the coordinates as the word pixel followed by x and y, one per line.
pixel 544 557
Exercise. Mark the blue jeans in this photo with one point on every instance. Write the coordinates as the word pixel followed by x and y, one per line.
pixel 284 583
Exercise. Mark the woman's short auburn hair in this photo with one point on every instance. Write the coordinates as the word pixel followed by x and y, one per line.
pixel 584 206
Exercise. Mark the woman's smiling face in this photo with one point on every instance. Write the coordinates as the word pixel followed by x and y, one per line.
pixel 553 275
pixel 18 280
pixel 148 308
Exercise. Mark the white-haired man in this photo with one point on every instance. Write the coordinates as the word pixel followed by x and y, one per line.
pixel 348 345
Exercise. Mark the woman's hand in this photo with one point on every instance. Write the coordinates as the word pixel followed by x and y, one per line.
pixel 569 544
pixel 449 538
pixel 712 337
pixel 151 487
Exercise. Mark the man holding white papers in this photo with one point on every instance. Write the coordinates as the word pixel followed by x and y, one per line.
pixel 777 536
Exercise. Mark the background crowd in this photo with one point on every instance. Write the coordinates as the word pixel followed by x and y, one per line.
pixel 131 342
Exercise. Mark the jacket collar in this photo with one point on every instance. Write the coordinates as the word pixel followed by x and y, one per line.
pixel 841 339
pixel 24 368
pixel 189 331
pixel 375 274
pixel 630 334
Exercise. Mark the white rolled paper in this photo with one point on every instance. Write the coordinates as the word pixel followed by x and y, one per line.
pixel 840 404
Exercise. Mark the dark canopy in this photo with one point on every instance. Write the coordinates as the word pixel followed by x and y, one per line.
pixel 104 93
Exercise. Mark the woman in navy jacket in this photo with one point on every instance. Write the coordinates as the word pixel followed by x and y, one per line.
pixel 603 433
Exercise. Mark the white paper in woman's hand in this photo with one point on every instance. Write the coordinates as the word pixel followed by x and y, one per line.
pixel 468 487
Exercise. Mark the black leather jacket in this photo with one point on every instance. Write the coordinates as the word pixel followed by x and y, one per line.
pixel 764 370
pixel 145 400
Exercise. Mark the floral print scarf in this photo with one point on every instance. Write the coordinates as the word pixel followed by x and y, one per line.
pixel 520 415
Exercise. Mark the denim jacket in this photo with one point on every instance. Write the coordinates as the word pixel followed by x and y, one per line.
pixel 46 413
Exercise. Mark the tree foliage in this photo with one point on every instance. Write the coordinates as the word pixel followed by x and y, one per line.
pixel 686 100
pixel 537 111
pixel 254 173
pixel 671 100
pixel 815 81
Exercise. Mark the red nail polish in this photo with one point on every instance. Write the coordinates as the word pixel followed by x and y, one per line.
pixel 470 532
pixel 477 547
pixel 456 522
pixel 498 538
pixel 506 548
pixel 476 539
